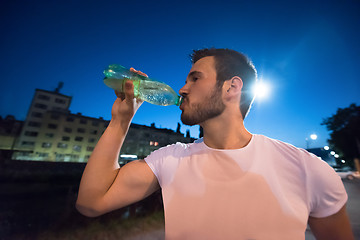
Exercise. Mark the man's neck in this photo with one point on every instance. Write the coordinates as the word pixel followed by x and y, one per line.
pixel 223 134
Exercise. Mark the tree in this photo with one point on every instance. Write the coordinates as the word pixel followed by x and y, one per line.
pixel 344 127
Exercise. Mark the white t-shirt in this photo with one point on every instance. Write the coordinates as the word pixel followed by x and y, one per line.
pixel 266 190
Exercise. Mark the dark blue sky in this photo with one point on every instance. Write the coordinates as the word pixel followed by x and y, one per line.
pixel 308 51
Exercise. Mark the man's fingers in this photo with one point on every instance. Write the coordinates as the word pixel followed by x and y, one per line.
pixel 120 95
pixel 129 90
pixel 138 72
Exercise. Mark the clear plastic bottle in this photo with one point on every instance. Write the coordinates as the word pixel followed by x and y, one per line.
pixel 146 89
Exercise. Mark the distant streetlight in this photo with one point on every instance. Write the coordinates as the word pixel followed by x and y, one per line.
pixel 332 153
pixel 312 137
pixel 326 148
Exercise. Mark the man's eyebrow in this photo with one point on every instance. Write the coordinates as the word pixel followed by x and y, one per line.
pixel 195 73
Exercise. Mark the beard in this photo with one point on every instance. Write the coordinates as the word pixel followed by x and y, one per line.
pixel 212 106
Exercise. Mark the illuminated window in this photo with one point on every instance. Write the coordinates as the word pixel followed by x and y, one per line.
pixel 62 145
pixel 77 148
pixel 46 145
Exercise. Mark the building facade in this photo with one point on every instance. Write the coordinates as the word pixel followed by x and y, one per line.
pixel 52 133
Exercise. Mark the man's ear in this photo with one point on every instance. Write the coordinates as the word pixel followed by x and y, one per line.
pixel 234 85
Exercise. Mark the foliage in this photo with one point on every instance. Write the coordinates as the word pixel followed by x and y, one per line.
pixel 344 127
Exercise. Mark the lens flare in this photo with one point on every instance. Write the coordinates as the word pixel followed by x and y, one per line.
pixel 261 90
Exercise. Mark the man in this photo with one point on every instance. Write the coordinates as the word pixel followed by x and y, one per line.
pixel 229 185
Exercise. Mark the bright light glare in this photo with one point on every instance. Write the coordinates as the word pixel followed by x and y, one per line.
pixel 261 89
pixel 326 148
pixel 313 136
pixel 336 155
pixel 128 156
pixel 343 161
pixel 332 153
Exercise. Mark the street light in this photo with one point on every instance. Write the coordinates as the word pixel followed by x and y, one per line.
pixel 312 137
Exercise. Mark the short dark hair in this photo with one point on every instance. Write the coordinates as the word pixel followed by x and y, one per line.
pixel 230 63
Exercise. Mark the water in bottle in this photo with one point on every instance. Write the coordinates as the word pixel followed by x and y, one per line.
pixel 146 89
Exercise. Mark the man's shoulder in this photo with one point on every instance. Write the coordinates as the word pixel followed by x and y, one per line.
pixel 178 148
pixel 282 147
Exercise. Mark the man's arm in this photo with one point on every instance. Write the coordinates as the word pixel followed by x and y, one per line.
pixel 104 185
pixel 334 227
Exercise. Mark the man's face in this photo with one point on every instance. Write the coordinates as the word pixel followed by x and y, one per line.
pixel 202 97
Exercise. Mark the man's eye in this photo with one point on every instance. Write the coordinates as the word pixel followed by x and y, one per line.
pixel 195 78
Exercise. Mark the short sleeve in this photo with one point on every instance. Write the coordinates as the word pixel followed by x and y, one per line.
pixel 154 161
pixel 327 194
pixel 164 161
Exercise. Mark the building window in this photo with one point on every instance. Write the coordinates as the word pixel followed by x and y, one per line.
pixel 43 154
pixel 81 130
pixel 65 138
pixel 26 143
pixel 36 114
pixel 67 130
pixel 41 106
pixel 83 121
pixel 49 135
pixel 31 134
pixel 77 148
pixel 60 157
pixel 55 116
pixel 93 132
pixel 89 149
pixel 79 139
pixel 91 140
pixel 95 123
pixel 58 100
pixel 69 119
pixel 62 145
pixel 46 145
pixel 34 124
pixel 52 126
pixel 43 97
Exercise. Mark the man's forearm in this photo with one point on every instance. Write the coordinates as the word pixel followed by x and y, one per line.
pixel 102 167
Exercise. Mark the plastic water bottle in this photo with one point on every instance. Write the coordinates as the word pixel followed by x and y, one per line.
pixel 146 89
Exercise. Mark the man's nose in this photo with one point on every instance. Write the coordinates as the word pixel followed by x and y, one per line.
pixel 183 91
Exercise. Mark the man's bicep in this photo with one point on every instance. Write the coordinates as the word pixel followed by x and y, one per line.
pixel 134 182
pixel 336 226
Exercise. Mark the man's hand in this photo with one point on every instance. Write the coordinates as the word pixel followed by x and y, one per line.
pixel 126 104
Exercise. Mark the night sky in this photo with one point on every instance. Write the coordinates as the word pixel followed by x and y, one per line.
pixel 307 51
